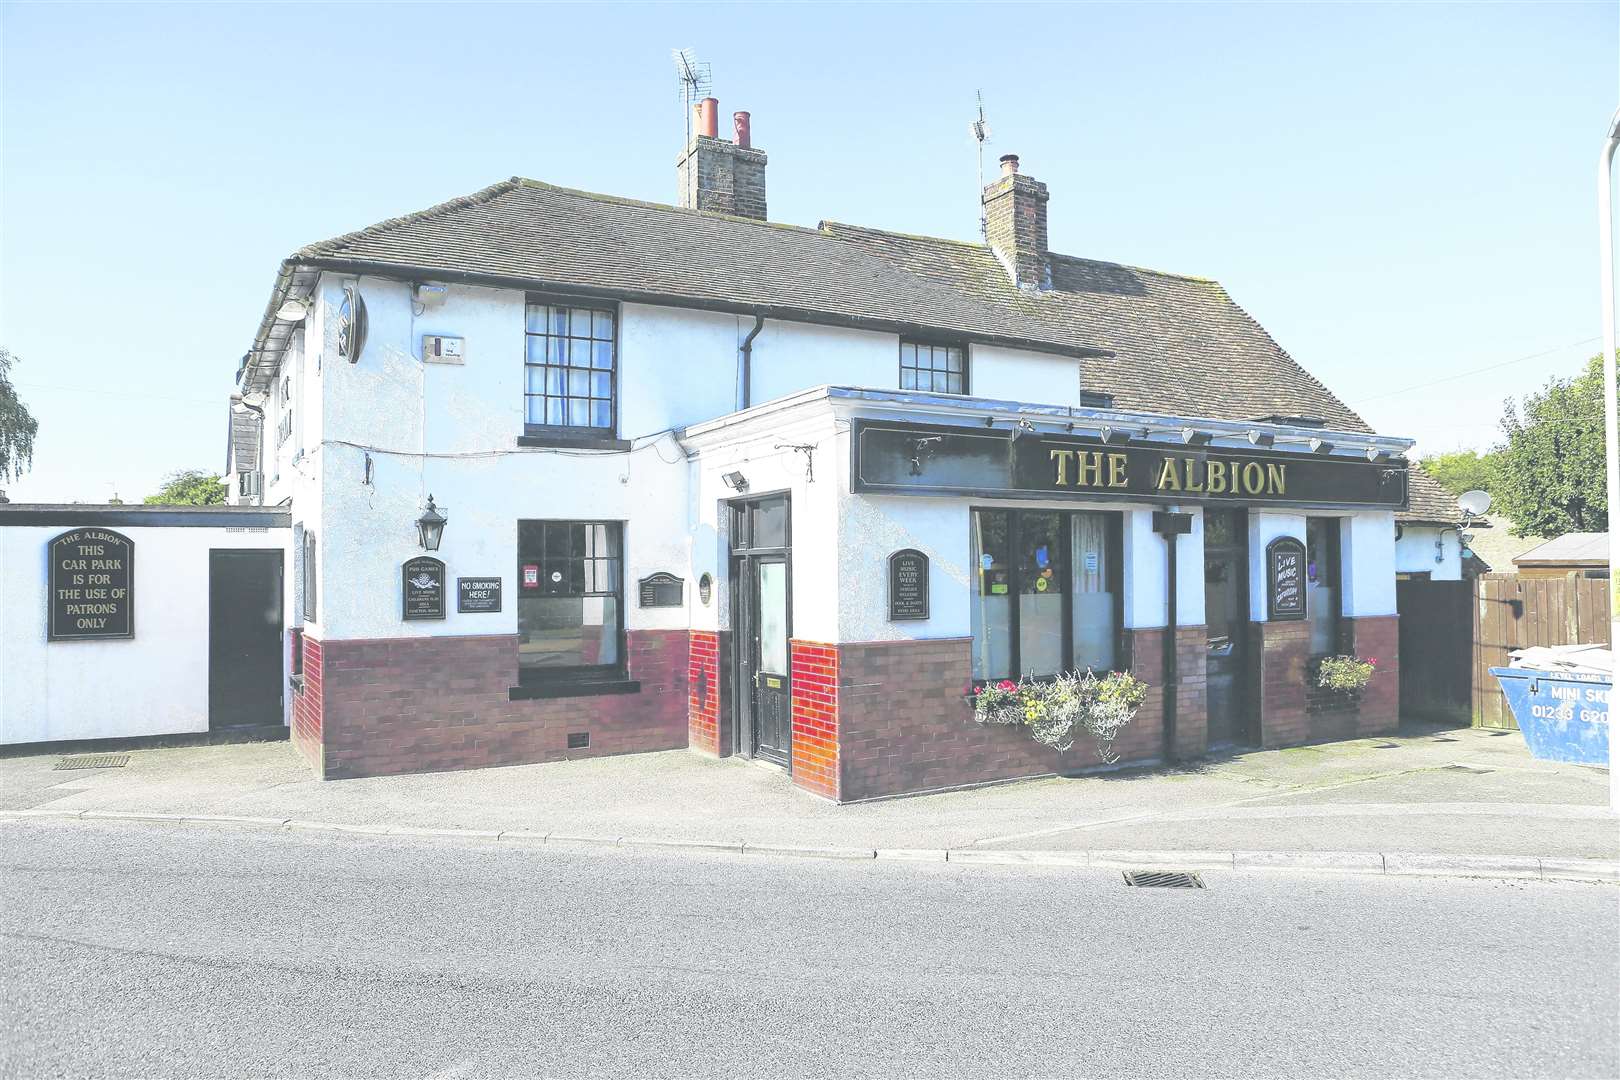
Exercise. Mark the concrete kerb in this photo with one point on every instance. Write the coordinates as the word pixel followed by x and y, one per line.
pixel 1391 864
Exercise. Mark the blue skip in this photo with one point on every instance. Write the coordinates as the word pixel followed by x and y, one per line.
pixel 1564 714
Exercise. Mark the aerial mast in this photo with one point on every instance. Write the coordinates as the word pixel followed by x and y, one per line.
pixel 980 129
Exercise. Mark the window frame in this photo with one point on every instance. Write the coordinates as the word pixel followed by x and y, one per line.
pixel 575 673
pixel 934 343
pixel 1116 585
pixel 311 577
pixel 1332 572
pixel 573 432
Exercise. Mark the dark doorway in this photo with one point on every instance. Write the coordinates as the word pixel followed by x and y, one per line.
pixel 761 576
pixel 1226 615
pixel 244 638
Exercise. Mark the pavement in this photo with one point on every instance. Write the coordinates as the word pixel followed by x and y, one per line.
pixel 1385 805
pixel 181 951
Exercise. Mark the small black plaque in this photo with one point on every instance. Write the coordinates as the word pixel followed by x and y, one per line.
pixel 478 594
pixel 90 578
pixel 422 588
pixel 908 585
pixel 706 589
pixel 662 590
pixel 1285 579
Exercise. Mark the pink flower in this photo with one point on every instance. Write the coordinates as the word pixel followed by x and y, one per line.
pixel 1006 684
pixel 1371 661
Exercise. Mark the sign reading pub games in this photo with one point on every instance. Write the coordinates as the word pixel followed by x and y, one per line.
pixel 91 590
pixel 894 458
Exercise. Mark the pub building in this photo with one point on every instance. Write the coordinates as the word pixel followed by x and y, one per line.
pixel 571 474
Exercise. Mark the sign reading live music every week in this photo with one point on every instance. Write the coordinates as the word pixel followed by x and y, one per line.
pixel 91 579
pixel 1285 579
pixel 897 458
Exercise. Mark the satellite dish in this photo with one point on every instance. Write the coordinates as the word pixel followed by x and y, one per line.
pixel 1474 503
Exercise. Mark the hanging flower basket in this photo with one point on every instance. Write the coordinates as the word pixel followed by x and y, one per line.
pixel 1058 710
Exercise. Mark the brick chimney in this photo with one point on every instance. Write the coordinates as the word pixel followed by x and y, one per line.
pixel 1015 225
pixel 717 175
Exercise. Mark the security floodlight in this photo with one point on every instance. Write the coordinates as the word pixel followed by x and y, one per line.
pixel 736 481
pixel 1474 503
pixel 292 310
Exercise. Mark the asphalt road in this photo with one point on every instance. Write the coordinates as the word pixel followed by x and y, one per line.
pixel 151 950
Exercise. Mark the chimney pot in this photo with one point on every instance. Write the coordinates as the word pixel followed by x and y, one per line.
pixel 741 124
pixel 708 117
pixel 1009 164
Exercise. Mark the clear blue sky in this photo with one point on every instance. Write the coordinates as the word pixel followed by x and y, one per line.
pixel 1400 193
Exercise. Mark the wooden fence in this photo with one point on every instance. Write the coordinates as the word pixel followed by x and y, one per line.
pixel 1513 612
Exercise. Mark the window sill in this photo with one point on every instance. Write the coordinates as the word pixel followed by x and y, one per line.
pixel 574 442
pixel 593 688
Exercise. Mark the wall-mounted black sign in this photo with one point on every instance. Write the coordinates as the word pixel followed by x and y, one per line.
pixel 91 580
pixel 478 594
pixel 1285 579
pixel 888 458
pixel 706 588
pixel 662 590
pixel 908 585
pixel 422 588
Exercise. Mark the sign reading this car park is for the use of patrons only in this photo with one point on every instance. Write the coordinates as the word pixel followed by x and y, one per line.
pixel 91 591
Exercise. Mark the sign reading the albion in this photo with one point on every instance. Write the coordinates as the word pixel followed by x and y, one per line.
pixel 933 461
pixel 91 595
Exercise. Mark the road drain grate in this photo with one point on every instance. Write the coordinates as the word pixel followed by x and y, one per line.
pixel 1159 879
pixel 1466 768
pixel 93 761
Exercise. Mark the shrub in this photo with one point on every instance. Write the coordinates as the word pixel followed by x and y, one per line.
pixel 1345 674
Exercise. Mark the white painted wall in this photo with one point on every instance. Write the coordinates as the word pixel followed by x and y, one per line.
pixel 1367 548
pixel 1415 553
pixel 790 356
pixel 1264 527
pixel 1020 375
pixel 155 683
pixel 1146 583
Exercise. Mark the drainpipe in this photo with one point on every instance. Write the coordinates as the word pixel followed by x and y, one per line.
pixel 1170 526
pixel 745 365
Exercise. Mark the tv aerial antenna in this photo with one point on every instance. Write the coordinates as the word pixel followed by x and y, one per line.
pixel 980 130
pixel 696 83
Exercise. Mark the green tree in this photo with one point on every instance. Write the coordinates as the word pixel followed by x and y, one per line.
pixel 17 425
pixel 1461 470
pixel 1549 475
pixel 189 487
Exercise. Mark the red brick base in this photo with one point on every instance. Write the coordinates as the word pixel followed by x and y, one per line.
pixel 404 705
pixel 306 718
pixel 1292 713
pixel 904 726
pixel 707 700
pixel 816 709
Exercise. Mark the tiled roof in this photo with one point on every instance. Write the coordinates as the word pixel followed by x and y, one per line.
pixel 1427 502
pixel 1586 549
pixel 1157 342
pixel 1179 344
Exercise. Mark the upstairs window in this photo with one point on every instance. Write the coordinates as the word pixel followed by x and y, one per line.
pixel 284 399
pixel 939 369
pixel 569 370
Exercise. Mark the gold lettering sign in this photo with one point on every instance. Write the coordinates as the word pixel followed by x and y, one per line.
pixel 1189 475
pixel 1092 469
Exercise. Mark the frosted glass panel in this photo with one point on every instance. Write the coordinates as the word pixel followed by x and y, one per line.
pixel 992 602
pixel 773 637
pixel 1094 630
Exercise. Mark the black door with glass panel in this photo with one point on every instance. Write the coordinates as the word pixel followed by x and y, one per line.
pixel 1226 614
pixel 761 581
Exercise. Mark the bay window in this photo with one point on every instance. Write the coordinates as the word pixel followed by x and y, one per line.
pixel 1047 592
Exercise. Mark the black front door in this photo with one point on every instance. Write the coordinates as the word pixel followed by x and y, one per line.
pixel 760 573
pixel 1226 612
pixel 244 638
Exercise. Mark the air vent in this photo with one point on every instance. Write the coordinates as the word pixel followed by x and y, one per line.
pixel 578 740
pixel 1162 879
pixel 93 761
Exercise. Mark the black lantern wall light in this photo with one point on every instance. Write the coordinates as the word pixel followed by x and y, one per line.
pixel 430 527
